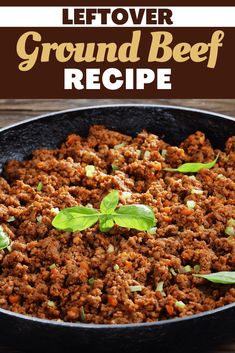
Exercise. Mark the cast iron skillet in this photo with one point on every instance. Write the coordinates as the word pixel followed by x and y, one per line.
pixel 190 333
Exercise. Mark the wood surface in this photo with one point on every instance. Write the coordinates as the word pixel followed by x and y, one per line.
pixel 12 111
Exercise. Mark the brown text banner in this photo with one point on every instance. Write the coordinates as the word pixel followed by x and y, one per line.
pixel 46 76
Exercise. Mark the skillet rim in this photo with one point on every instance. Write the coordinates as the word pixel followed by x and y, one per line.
pixel 118 327
pixel 128 105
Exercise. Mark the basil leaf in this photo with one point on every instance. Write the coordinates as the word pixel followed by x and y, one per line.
pixel 106 223
pixel 4 239
pixel 219 277
pixel 73 219
pixel 109 202
pixel 193 167
pixel 138 217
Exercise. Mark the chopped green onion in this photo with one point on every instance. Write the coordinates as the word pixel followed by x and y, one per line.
pixel 152 231
pixel 226 158
pixel 55 210
pixel 147 154
pixel 191 204
pixel 230 231
pixel 138 152
pixel 220 176
pixel 40 186
pixel 163 153
pixel 11 219
pixel 187 268
pixel 179 304
pixel 159 288
pixel 197 191
pixel 4 239
pixel 9 248
pixel 89 205
pixel 116 267
pixel 82 314
pixel 39 219
pixel 136 288
pixel 197 268
pixel 120 145
pixel 90 169
pixel 110 249
pixel 231 222
pixel 51 304
pixel 91 281
pixel 114 167
pixel 52 266
pixel 172 271
pixel 126 195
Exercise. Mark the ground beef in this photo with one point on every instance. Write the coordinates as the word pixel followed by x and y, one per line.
pixel 74 276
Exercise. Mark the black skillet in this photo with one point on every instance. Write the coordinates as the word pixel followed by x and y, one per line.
pixel 191 333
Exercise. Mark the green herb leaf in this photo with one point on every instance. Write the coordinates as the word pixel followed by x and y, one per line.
pixel 73 219
pixel 109 202
pixel 138 217
pixel 193 167
pixel 219 277
pixel 4 239
pixel 106 223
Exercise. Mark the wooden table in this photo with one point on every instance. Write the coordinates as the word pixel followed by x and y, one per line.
pixel 12 111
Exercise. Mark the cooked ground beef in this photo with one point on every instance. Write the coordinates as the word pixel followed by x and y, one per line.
pixel 86 276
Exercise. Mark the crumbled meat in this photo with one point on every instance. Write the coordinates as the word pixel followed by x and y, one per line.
pixel 71 276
